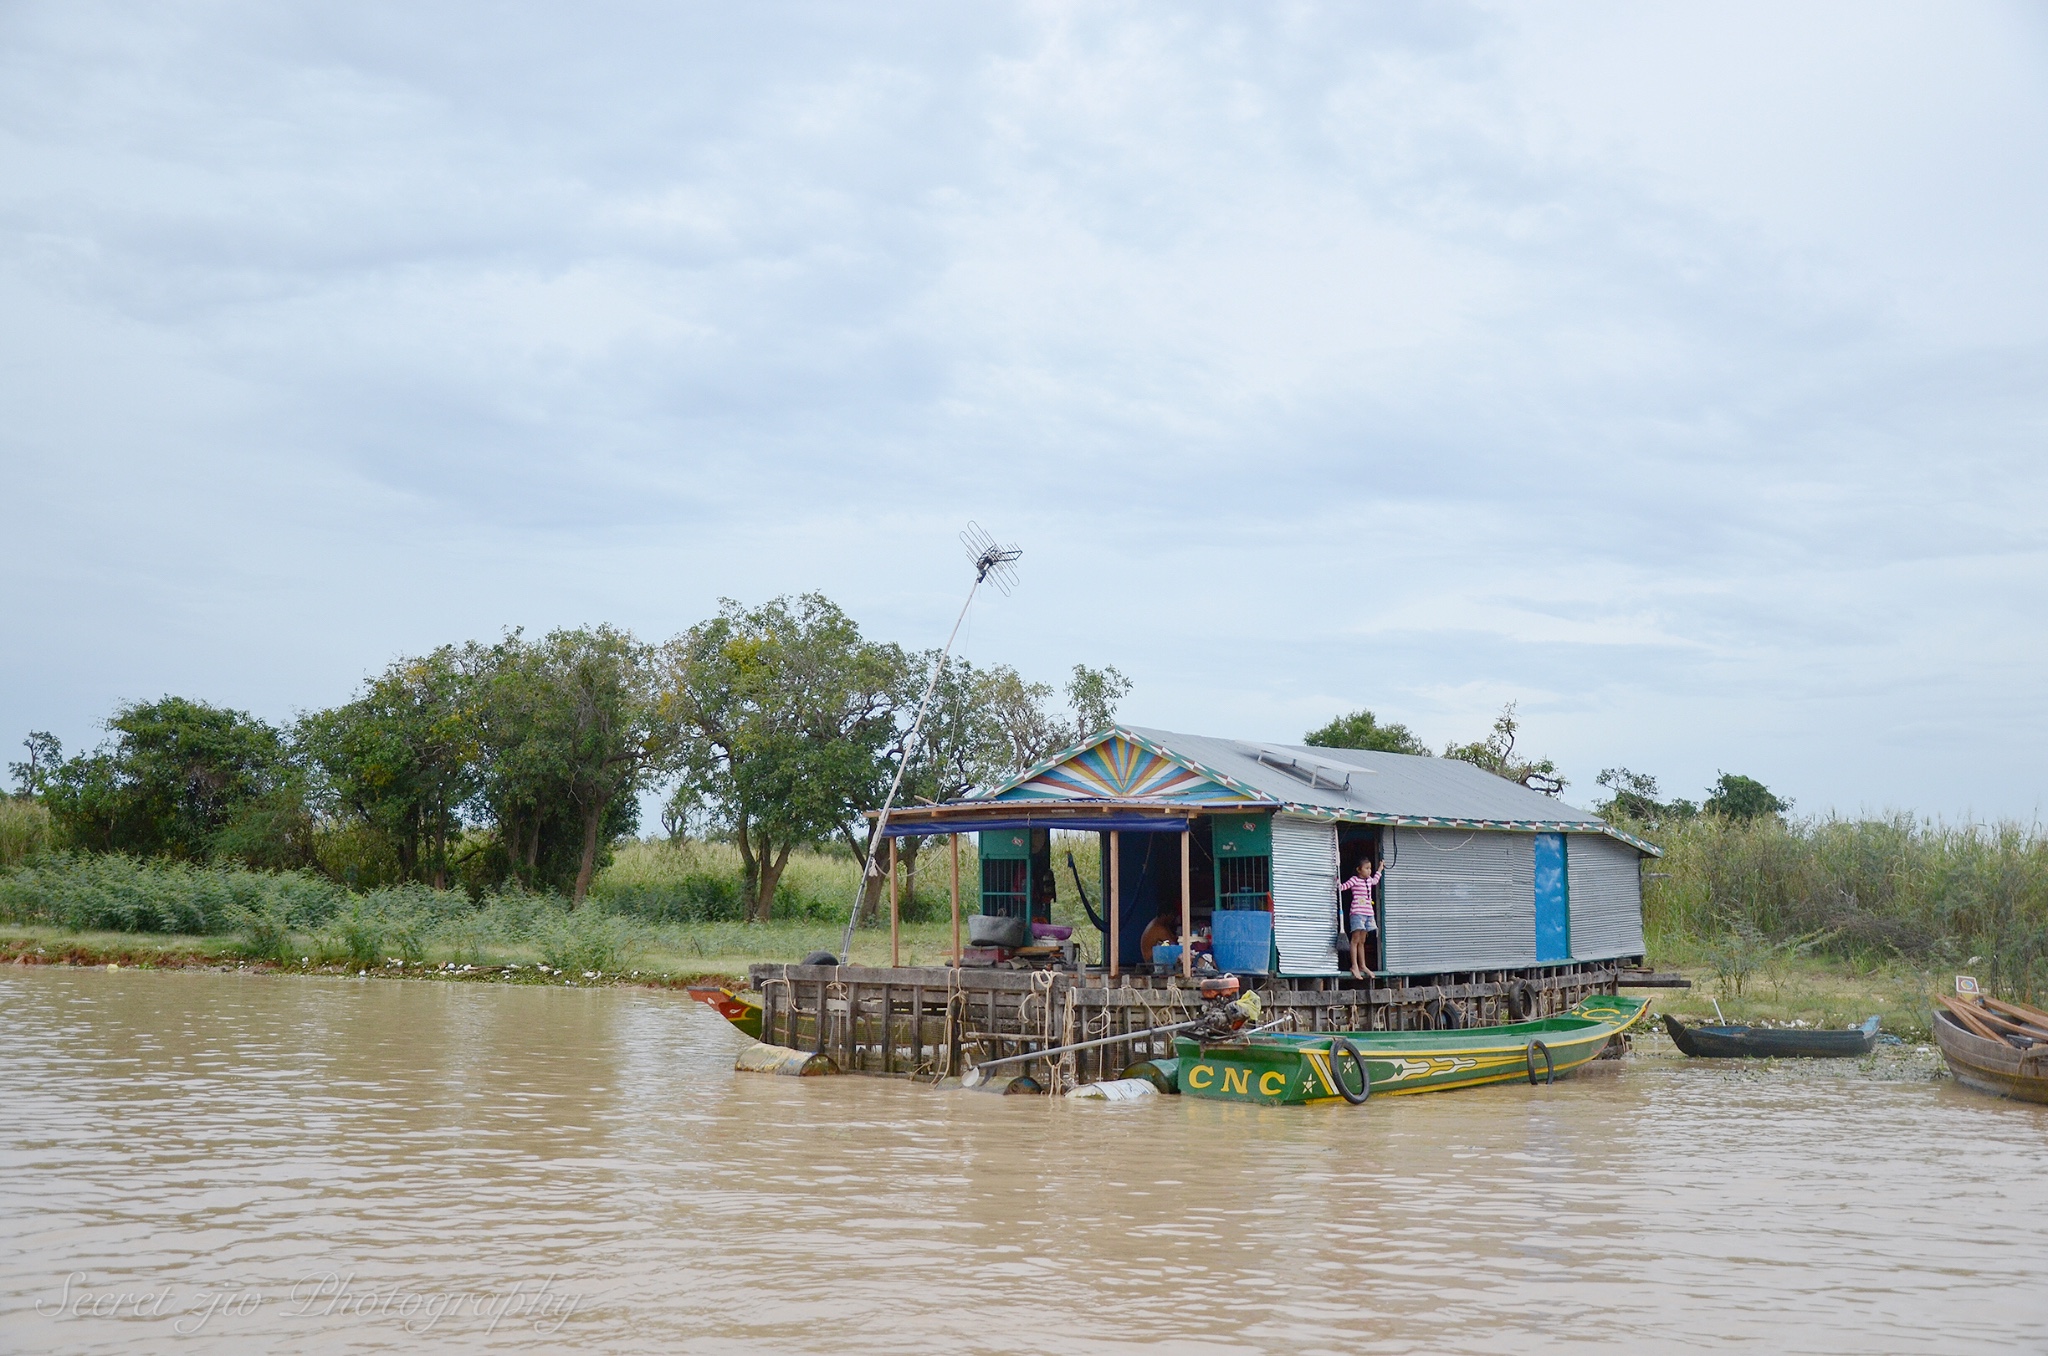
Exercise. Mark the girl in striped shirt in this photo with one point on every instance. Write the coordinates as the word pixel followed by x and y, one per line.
pixel 1364 921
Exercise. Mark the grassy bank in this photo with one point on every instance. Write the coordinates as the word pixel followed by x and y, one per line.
pixel 1819 992
pixel 662 909
pixel 650 955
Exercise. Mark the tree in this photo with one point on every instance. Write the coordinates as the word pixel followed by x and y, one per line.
pixel 1092 697
pixel 1033 729
pixel 622 728
pixel 519 771
pixel 965 743
pixel 174 775
pixel 1739 797
pixel 573 728
pixel 1633 796
pixel 1362 730
pixel 402 759
pixel 45 756
pixel 1496 753
pixel 1020 709
pixel 788 716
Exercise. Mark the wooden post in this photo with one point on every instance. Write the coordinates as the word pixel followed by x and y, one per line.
pixel 956 899
pixel 1187 908
pixel 895 950
pixel 1115 904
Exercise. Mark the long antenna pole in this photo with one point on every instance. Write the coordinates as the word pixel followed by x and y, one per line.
pixel 991 558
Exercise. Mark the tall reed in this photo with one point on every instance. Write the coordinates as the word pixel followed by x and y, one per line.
pixel 24 830
pixel 1972 895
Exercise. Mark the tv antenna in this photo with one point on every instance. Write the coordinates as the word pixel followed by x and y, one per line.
pixel 992 563
pixel 990 560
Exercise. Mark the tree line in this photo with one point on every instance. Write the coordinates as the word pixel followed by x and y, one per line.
pixel 519 762
pixel 1632 797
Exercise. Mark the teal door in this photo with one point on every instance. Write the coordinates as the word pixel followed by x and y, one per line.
pixel 1553 901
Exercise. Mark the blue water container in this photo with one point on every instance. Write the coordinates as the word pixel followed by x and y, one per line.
pixel 1243 940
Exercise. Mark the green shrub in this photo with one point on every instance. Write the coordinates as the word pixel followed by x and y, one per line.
pixel 586 941
pixel 111 892
pixel 266 934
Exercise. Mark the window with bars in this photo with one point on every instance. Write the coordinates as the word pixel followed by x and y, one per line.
pixel 1244 883
pixel 1003 884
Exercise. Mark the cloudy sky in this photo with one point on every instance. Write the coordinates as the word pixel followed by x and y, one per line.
pixel 1680 373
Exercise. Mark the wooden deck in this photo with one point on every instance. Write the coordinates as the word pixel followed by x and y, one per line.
pixel 932 1021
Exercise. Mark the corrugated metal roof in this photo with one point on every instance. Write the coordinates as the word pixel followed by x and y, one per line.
pixel 1360 785
pixel 1390 783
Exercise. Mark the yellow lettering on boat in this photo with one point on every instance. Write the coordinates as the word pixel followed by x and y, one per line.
pixel 1237 1080
pixel 1201 1076
pixel 1272 1083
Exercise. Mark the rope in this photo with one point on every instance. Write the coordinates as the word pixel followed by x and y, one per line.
pixel 1067 1077
pixel 955 997
pixel 1041 989
pixel 837 989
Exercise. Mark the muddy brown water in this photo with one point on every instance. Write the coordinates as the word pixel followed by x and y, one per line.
pixel 214 1162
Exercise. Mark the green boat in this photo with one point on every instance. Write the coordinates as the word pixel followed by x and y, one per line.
pixel 1291 1069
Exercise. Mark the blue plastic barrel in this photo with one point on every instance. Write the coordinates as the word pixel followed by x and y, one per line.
pixel 1243 940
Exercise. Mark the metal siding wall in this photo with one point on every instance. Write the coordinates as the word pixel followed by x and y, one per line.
pixel 1459 900
pixel 1607 897
pixel 1305 894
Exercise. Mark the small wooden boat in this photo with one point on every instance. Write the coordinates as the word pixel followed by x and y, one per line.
pixel 1999 1048
pixel 742 1010
pixel 1294 1068
pixel 1768 1042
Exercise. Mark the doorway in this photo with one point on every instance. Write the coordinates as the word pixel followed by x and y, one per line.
pixel 1361 843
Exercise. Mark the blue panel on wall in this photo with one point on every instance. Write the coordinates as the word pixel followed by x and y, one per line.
pixel 1553 901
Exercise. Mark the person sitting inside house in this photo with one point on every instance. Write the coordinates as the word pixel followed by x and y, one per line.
pixel 1160 931
pixel 1364 921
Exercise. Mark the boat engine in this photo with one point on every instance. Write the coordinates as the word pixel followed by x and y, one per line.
pixel 1227 1011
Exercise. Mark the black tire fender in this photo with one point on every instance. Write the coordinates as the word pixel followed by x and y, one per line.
pixel 1549 1069
pixel 1340 1048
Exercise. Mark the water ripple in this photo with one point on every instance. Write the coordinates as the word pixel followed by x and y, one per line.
pixel 231 1138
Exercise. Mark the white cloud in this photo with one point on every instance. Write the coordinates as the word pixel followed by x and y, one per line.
pixel 1675 371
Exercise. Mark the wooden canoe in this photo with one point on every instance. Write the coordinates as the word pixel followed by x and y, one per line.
pixel 1765 1042
pixel 742 1010
pixel 1292 1069
pixel 1995 1067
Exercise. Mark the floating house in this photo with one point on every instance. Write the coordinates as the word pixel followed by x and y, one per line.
pixel 1247 841
pixel 1497 904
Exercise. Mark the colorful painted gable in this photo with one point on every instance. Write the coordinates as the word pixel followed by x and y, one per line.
pixel 1120 769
